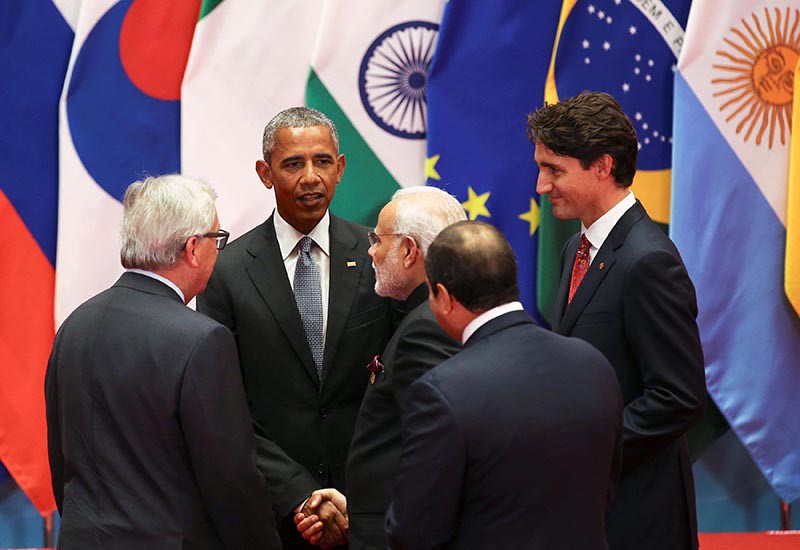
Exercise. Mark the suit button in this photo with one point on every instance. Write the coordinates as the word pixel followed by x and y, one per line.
pixel 323 412
pixel 322 470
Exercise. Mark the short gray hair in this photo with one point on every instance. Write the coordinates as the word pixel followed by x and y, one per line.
pixel 422 212
pixel 159 215
pixel 296 117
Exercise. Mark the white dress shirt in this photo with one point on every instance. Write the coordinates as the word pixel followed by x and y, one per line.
pixel 487 316
pixel 598 232
pixel 289 237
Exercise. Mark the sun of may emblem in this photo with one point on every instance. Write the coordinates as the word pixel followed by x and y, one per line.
pixel 756 74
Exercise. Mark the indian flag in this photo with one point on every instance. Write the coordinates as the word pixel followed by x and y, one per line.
pixel 369 74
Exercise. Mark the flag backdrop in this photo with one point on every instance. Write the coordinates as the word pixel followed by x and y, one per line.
pixel 488 74
pixel 792 268
pixel 628 49
pixel 33 59
pixel 235 82
pixel 733 97
pixel 369 71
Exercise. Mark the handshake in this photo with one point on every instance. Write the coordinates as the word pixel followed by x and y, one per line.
pixel 323 518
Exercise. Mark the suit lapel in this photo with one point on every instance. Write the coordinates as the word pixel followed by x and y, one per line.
pixel 268 274
pixel 601 266
pixel 566 274
pixel 344 277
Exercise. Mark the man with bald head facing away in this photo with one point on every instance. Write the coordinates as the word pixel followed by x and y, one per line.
pixel 298 294
pixel 624 289
pixel 515 441
pixel 406 227
pixel 149 437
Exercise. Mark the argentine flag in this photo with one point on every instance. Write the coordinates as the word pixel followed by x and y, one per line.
pixel 732 133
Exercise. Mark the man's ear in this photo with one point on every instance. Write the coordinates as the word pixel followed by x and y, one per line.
pixel 340 163
pixel 603 166
pixel 264 173
pixel 189 252
pixel 412 252
pixel 444 299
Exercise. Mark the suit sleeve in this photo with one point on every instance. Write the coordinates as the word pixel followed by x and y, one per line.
pixel 433 461
pixel 424 346
pixel 55 454
pixel 218 433
pixel 289 482
pixel 660 324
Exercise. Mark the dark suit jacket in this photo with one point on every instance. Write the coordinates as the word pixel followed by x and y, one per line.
pixel 637 305
pixel 418 345
pixel 512 443
pixel 307 424
pixel 149 437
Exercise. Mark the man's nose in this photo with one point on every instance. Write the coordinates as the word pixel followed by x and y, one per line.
pixel 310 174
pixel 543 186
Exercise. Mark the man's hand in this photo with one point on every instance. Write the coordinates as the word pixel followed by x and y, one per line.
pixel 323 519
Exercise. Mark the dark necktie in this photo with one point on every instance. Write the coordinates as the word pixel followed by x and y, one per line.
pixel 580 267
pixel 308 295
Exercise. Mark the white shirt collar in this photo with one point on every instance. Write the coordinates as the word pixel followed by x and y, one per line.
pixel 599 231
pixel 288 236
pixel 158 277
pixel 487 316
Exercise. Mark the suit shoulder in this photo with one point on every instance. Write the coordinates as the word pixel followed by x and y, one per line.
pixel 239 247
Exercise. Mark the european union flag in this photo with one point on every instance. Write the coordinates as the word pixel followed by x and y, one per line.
pixel 488 73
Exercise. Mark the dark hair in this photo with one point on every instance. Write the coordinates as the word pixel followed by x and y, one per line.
pixel 476 265
pixel 585 127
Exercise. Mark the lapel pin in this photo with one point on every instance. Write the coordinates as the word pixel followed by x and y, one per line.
pixel 375 367
pixel 602 265
pixel 351 263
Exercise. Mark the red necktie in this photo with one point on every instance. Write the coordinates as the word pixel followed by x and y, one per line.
pixel 580 267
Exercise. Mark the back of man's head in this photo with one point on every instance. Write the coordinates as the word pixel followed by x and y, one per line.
pixel 476 265
pixel 422 212
pixel 296 117
pixel 585 127
pixel 159 215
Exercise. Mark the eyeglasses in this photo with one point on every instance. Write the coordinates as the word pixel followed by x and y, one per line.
pixel 374 238
pixel 221 236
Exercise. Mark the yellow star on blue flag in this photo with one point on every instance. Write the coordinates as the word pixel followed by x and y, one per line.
pixel 475 205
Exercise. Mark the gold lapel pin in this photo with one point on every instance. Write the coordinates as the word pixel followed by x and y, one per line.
pixel 351 263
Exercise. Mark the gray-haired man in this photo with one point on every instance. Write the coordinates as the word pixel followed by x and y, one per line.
pixel 149 437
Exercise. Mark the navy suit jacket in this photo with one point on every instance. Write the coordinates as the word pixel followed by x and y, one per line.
pixel 306 423
pixel 149 437
pixel 637 305
pixel 512 443
pixel 418 345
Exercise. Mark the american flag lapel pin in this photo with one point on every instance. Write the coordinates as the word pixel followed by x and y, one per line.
pixel 602 265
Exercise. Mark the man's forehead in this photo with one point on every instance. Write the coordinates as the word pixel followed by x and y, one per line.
pixel 297 133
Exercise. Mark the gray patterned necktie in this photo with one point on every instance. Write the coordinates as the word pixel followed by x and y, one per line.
pixel 308 295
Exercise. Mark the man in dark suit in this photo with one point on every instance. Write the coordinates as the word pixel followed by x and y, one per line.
pixel 515 441
pixel 298 293
pixel 149 437
pixel 406 227
pixel 625 290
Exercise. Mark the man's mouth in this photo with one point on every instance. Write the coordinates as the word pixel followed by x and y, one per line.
pixel 311 199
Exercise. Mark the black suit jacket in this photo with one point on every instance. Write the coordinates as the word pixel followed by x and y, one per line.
pixel 637 305
pixel 307 424
pixel 418 345
pixel 149 437
pixel 512 443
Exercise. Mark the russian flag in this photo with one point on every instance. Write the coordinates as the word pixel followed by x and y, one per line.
pixel 733 105
pixel 33 59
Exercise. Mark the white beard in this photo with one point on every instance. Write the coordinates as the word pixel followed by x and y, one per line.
pixel 388 276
